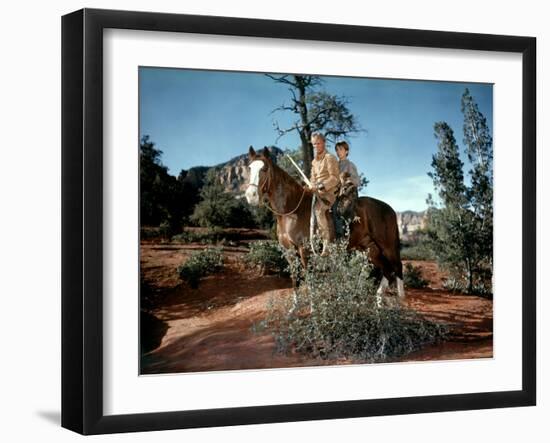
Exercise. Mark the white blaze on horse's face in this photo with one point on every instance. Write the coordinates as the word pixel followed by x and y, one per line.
pixel 251 193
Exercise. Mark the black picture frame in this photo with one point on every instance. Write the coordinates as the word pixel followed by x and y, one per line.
pixel 82 219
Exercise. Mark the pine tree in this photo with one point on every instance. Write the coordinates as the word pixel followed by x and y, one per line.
pixel 479 148
pixel 451 226
pixel 460 226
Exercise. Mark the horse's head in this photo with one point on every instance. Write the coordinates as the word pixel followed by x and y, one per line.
pixel 258 185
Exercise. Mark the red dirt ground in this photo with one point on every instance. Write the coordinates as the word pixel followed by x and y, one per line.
pixel 210 328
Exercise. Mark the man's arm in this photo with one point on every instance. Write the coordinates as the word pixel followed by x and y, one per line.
pixel 312 178
pixel 334 173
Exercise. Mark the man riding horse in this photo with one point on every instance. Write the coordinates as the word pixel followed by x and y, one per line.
pixel 325 180
pixel 336 183
pixel 375 230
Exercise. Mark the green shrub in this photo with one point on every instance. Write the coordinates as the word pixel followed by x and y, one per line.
pixel 211 236
pixel 165 229
pixel 267 256
pixel 149 232
pixel 335 313
pixel 416 247
pixel 417 252
pixel 481 287
pixel 263 217
pixel 219 207
pixel 413 277
pixel 200 264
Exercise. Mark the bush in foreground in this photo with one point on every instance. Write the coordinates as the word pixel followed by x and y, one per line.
pixel 335 313
pixel 200 264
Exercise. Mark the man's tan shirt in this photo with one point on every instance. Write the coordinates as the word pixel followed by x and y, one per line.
pixel 325 170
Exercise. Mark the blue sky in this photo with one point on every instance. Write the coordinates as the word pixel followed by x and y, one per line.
pixel 206 117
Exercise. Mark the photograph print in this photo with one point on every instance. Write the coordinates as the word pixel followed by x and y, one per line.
pixel 298 220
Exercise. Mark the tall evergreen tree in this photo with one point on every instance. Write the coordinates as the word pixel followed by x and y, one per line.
pixel 461 226
pixel 479 148
pixel 450 227
pixel 447 175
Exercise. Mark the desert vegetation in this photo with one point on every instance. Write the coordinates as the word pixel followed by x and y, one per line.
pixel 336 313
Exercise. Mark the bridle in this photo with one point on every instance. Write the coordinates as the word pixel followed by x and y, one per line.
pixel 264 186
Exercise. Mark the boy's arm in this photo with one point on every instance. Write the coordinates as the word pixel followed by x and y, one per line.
pixel 356 175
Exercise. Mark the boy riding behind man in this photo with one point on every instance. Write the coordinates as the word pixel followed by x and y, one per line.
pixel 343 210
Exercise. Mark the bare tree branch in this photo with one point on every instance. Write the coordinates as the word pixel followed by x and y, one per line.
pixel 282 79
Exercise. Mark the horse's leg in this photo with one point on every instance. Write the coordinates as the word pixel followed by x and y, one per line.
pixel 295 281
pixel 381 289
pixel 400 287
pixel 396 263
pixel 379 261
pixel 396 266
pixel 302 252
pixel 394 272
pixel 399 278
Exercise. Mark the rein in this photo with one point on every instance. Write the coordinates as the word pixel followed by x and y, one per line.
pixel 264 201
pixel 266 184
pixel 286 213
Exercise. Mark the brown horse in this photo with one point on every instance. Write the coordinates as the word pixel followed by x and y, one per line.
pixel 375 230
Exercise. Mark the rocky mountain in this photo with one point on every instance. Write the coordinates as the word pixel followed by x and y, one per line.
pixel 233 174
pixel 410 221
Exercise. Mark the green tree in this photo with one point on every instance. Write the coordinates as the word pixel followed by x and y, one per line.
pixel 479 148
pixel 284 162
pixel 160 193
pixel 460 228
pixel 451 227
pixel 363 182
pixel 219 208
pixel 263 217
pixel 316 111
